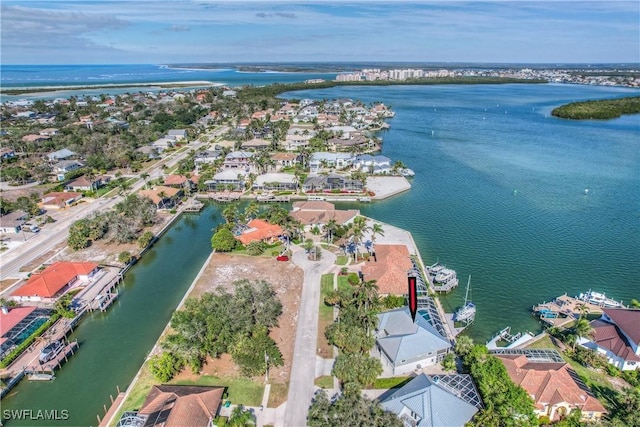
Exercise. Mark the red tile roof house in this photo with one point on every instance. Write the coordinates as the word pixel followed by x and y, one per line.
pixel 616 335
pixel 59 200
pixel 552 388
pixel 260 230
pixel 54 280
pixel 389 269
pixel 180 406
pixel 170 196
pixel 314 213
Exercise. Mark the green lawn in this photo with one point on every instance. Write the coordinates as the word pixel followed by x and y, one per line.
pixel 342 260
pixel 597 381
pixel 343 282
pixel 324 381
pixel 239 390
pixel 544 342
pixel 393 382
pixel 278 395
pixel 325 315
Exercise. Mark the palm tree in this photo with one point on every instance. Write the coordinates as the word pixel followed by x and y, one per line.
pixel 357 231
pixel 230 214
pixel 376 229
pixel 330 228
pixel 241 417
pixel 145 177
pixel 251 211
pixel 582 328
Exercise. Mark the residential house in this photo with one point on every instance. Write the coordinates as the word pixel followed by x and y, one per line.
pixel 405 345
pixel 162 144
pixel 84 183
pixel 163 197
pixel 285 160
pixel 177 406
pixel 16 324
pixel 49 132
pixel 435 401
pixel 60 200
pixel 388 268
pixel 176 134
pixel 12 222
pixel 238 160
pixel 64 166
pixel 177 181
pixel 324 160
pixel 7 153
pixel 550 383
pixel 276 181
pixel 54 280
pixel 372 164
pixel 259 230
pixel 150 151
pixel 317 213
pixel 332 183
pixel 63 154
pixel 255 144
pixel 616 335
pixel 354 143
pixel 207 157
pixel 294 142
pixel 227 179
pixel 35 138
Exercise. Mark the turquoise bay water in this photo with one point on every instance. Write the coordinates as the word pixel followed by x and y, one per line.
pixel 499 193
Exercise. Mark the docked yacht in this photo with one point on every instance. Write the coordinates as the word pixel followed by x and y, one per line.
pixel 599 299
pixel 467 312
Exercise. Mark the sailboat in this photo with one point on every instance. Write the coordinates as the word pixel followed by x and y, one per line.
pixel 467 312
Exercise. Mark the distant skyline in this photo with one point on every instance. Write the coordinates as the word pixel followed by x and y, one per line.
pixel 207 31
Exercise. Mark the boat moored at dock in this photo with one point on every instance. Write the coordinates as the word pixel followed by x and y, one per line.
pixel 599 299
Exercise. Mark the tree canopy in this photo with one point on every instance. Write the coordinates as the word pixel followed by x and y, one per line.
pixel 350 409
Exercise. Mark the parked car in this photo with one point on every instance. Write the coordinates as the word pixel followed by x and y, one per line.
pixel 31 228
pixel 51 350
pixel 282 258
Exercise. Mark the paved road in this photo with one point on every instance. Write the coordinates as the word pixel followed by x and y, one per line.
pixel 54 234
pixel 301 385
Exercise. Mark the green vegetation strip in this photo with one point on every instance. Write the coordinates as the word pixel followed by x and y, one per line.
pixel 13 355
pixel 326 286
pixel 393 382
pixel 599 109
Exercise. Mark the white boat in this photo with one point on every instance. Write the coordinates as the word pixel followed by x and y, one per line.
pixel 467 312
pixel 365 199
pixel 444 275
pixel 406 172
pixel 599 299
pixel 436 268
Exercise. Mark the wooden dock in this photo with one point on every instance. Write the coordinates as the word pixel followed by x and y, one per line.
pixel 193 205
pixel 563 310
pixel 113 409
pixel 48 367
pixel 273 199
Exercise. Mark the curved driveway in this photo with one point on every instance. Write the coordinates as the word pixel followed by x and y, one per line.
pixel 303 369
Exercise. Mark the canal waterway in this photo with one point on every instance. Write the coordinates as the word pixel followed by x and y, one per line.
pixel 114 344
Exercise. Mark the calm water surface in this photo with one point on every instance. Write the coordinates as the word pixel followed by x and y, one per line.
pixel 499 193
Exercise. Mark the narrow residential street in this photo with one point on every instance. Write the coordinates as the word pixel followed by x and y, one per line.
pixel 301 385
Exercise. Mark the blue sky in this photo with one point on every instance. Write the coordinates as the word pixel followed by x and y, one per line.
pixel 181 31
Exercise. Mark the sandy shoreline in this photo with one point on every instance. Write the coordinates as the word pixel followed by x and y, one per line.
pixel 35 90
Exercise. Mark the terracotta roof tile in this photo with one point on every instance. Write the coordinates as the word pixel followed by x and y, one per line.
pixel 627 320
pixel 389 269
pixel 178 406
pixel 259 230
pixel 53 278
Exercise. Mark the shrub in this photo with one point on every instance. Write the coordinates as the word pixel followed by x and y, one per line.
pixel 146 238
pixel 256 248
pixel 124 257
pixel 165 366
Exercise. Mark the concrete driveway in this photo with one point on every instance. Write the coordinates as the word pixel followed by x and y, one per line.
pixel 301 385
